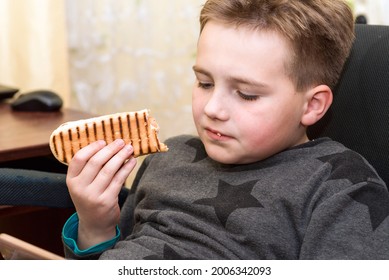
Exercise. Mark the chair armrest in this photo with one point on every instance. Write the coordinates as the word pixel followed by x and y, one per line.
pixel 12 248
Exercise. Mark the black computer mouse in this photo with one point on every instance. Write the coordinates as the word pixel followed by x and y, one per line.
pixel 7 92
pixel 37 101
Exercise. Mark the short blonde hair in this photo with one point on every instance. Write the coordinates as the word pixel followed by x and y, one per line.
pixel 320 32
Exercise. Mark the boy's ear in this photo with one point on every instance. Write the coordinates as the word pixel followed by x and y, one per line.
pixel 318 100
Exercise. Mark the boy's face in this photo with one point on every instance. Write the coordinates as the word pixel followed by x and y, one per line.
pixel 244 105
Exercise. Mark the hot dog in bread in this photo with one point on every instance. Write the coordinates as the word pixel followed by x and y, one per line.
pixel 135 128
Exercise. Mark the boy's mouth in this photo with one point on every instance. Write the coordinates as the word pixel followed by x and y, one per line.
pixel 215 135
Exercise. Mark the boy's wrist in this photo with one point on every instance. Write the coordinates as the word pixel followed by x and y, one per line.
pixel 70 238
pixel 88 238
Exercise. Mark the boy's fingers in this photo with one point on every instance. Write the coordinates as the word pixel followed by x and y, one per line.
pixel 82 157
pixel 113 166
pixel 120 177
pixel 97 162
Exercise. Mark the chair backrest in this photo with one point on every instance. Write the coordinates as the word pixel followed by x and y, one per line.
pixel 359 116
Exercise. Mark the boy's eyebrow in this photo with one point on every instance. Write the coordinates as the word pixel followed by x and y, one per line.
pixel 200 70
pixel 239 80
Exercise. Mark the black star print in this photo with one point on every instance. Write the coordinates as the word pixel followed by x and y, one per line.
pixel 229 198
pixel 373 195
pixel 199 147
pixel 345 162
pixel 376 198
pixel 168 254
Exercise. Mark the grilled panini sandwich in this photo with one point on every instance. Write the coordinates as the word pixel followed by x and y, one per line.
pixel 135 128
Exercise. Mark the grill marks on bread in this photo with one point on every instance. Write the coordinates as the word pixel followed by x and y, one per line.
pixel 135 128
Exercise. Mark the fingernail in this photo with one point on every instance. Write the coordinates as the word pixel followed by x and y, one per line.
pixel 101 142
pixel 120 142
pixel 129 148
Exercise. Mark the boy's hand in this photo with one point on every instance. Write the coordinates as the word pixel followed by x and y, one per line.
pixel 95 176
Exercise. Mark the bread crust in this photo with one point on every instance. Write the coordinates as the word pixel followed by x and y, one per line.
pixel 136 128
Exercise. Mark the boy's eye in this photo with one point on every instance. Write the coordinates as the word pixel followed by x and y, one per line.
pixel 204 85
pixel 247 96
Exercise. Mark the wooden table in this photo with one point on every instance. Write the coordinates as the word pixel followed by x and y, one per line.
pixel 26 134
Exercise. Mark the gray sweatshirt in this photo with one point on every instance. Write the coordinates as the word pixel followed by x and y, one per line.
pixel 318 200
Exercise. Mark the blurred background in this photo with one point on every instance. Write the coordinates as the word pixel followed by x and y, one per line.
pixel 106 56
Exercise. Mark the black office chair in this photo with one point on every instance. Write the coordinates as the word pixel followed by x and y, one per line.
pixel 21 187
pixel 359 116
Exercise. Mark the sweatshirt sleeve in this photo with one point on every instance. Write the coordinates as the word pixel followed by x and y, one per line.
pixel 351 224
pixel 69 237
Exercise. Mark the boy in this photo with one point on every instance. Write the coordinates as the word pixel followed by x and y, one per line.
pixel 252 186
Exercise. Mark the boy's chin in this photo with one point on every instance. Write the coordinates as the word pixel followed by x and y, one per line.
pixel 226 157
pixel 233 157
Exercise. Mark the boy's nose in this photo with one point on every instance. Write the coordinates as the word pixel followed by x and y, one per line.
pixel 217 107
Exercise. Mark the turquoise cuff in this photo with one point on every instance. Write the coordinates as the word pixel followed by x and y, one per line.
pixel 70 235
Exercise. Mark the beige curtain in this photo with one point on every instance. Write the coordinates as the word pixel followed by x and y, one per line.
pixel 33 45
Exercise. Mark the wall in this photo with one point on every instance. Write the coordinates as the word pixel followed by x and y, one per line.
pixel 376 11
pixel 130 55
